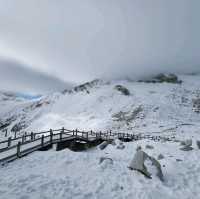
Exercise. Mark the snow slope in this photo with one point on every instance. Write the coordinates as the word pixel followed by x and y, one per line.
pixel 73 175
pixel 162 108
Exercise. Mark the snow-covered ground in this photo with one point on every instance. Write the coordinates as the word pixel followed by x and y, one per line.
pixel 67 174
pixel 157 109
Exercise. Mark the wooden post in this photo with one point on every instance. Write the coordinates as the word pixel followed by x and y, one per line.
pixel 23 138
pixel 9 141
pixel 61 136
pixel 15 134
pixel 25 135
pixel 110 132
pixel 76 133
pixel 73 132
pixel 6 132
pixel 18 149
pixel 32 136
pixel 51 136
pixel 87 135
pixel 42 140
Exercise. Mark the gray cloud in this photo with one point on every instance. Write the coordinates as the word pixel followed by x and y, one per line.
pixel 76 40
pixel 15 77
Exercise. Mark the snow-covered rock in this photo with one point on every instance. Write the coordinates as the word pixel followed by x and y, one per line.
pixel 147 165
pixel 187 145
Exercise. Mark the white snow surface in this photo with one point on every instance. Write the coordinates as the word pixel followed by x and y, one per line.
pixel 67 174
pixel 165 109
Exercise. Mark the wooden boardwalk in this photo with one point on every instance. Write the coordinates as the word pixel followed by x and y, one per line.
pixel 13 148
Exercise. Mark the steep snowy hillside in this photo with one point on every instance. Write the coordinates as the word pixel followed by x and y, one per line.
pixel 123 106
pixel 147 107
pixel 17 113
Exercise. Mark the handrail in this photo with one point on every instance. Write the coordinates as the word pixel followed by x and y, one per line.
pixel 62 135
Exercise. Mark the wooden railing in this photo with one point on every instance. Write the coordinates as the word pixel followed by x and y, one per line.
pixel 13 148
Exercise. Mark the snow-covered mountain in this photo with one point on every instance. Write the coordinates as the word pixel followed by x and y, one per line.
pixel 121 105
pixel 168 107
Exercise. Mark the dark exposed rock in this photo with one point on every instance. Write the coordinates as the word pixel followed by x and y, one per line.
pixel 160 157
pixel 186 148
pixel 122 89
pixel 149 147
pixel 3 126
pixel 84 87
pixel 128 117
pixel 7 122
pixel 19 126
pixel 102 159
pixel 186 143
pixel 121 146
pixel 160 78
pixel 196 105
pixel 138 148
pixel 103 145
pixel 198 144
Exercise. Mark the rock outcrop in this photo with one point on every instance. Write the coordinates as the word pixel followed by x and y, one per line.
pixel 161 78
pixel 146 165
pixel 122 89
pixel 187 145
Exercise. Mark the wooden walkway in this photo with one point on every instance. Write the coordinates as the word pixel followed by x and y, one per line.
pixel 14 148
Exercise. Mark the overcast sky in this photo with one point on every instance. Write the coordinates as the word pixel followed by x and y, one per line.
pixel 79 40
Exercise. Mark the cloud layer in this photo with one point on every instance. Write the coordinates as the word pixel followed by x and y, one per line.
pixel 76 40
pixel 15 77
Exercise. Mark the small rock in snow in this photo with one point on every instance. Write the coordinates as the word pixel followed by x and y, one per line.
pixel 102 159
pixel 103 145
pixel 149 147
pixel 198 144
pixel 160 157
pixel 139 148
pixel 186 142
pixel 186 148
pixel 121 146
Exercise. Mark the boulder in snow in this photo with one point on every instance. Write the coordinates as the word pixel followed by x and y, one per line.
pixel 102 159
pixel 120 145
pixel 186 148
pixel 103 145
pixel 138 148
pixel 196 105
pixel 187 145
pixel 149 147
pixel 187 142
pixel 122 89
pixel 146 165
pixel 161 78
pixel 198 144
pixel 160 157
